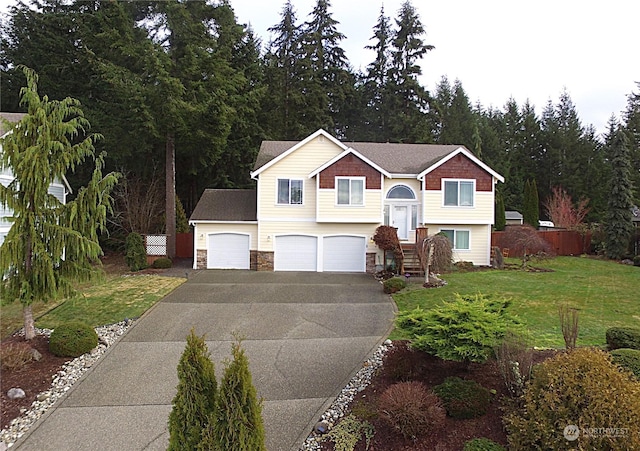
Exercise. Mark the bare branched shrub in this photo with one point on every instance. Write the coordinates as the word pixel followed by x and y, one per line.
pixel 569 325
pixel 524 240
pixel 441 256
pixel 139 205
pixel 563 212
pixel 515 359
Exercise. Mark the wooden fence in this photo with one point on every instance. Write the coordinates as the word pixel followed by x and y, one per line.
pixel 184 245
pixel 562 242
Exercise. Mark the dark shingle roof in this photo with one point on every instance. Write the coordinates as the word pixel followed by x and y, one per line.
pixel 9 117
pixel 394 158
pixel 226 205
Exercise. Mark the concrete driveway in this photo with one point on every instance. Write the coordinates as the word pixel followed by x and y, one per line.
pixel 306 334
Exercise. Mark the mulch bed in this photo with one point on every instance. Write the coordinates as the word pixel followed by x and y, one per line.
pixel 403 364
pixel 34 378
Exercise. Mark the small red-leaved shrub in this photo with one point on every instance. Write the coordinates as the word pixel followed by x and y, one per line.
pixel 411 409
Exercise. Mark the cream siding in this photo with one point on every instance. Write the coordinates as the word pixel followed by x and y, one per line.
pixel 480 213
pixel 268 230
pixel 479 242
pixel 202 230
pixel 329 211
pixel 298 165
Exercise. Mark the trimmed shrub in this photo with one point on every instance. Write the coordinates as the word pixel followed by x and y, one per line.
pixel 72 339
pixel 463 398
pixel 582 388
pixel 411 409
pixel 623 337
pixel 237 422
pixel 195 399
pixel 14 356
pixel 394 284
pixel 465 329
pixel 482 444
pixel 636 260
pixel 628 359
pixel 162 263
pixel 135 255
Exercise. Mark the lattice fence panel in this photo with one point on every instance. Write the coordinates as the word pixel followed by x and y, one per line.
pixel 156 244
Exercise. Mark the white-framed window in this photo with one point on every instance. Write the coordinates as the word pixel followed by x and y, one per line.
pixel 350 190
pixel 290 191
pixel 458 193
pixel 459 239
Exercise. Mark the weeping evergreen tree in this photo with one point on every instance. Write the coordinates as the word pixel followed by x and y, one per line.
pixel 195 400
pixel 50 245
pixel 237 423
pixel 618 226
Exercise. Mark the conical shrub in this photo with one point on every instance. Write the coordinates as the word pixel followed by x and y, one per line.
pixel 195 400
pixel 237 423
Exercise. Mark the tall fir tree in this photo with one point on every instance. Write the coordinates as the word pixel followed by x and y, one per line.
pixel 530 213
pixel 408 100
pixel 500 214
pixel 631 117
pixel 283 103
pixel 195 400
pixel 618 225
pixel 50 246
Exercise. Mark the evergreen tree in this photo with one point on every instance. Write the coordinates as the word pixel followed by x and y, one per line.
pixel 632 127
pixel 375 85
pixel 237 424
pixel 50 246
pixel 327 80
pixel 530 213
pixel 456 122
pixel 409 101
pixel 618 226
pixel 195 399
pixel 500 215
pixel 283 103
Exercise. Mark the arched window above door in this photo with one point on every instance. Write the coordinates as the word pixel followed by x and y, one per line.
pixel 401 192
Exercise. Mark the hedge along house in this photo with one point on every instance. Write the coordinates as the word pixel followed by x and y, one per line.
pixel 319 201
pixel 60 188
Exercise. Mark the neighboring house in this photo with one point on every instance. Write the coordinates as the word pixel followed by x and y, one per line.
pixel 319 201
pixel 59 189
pixel 513 217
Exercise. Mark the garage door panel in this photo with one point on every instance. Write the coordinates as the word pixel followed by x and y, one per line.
pixel 228 251
pixel 296 253
pixel 344 253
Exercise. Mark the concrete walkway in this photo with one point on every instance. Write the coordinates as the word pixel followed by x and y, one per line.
pixel 306 334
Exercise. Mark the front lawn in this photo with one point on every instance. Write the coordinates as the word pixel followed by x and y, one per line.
pixel 605 293
pixel 111 301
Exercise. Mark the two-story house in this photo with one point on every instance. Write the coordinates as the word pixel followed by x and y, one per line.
pixel 319 201
pixel 60 189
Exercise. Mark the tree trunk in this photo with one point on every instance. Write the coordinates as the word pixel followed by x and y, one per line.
pixel 170 208
pixel 29 327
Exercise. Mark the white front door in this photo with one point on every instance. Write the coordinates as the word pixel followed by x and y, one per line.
pixel 400 221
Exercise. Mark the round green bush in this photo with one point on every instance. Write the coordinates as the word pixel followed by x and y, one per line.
pixel 72 339
pixel 580 388
pixel 482 444
pixel 135 255
pixel 162 263
pixel 623 337
pixel 628 359
pixel 463 398
pixel 394 284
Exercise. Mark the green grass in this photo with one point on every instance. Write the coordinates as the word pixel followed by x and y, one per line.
pixel 107 302
pixel 605 293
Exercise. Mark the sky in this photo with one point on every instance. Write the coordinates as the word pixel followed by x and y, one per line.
pixel 499 49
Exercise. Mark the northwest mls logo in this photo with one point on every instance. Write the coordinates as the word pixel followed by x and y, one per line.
pixel 571 432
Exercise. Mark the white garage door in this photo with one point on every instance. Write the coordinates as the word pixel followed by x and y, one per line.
pixel 295 253
pixel 344 253
pixel 228 251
